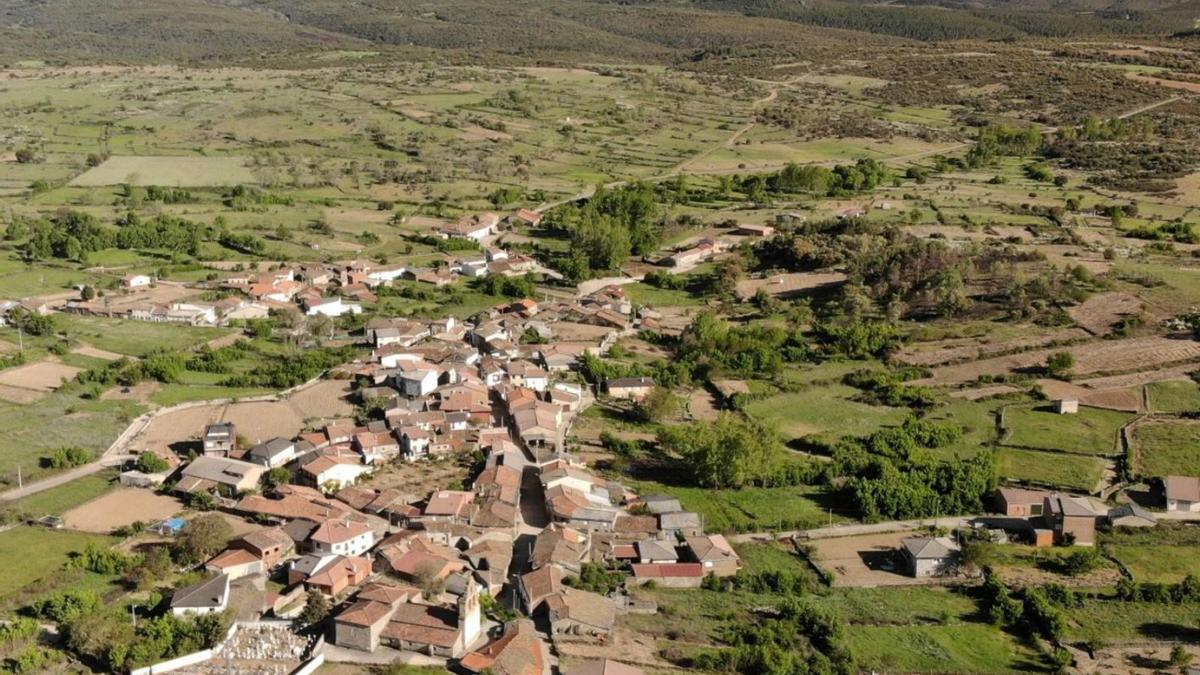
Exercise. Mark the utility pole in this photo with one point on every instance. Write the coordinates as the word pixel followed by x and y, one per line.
pixel 20 482
pixel 133 615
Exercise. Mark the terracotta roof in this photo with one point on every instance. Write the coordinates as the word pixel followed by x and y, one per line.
pixel 541 583
pixel 663 570
pixel 1183 488
pixel 601 667
pixel 423 624
pixel 364 613
pixel 337 531
pixel 517 652
pixel 342 568
pixel 232 557
pixel 585 607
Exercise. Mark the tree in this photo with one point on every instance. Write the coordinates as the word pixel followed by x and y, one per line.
pixel 1180 657
pixel 728 453
pixel 316 609
pixel 154 566
pixel 276 477
pixel 148 462
pixel 1081 562
pixel 202 537
pixel 657 406
pixel 1059 364
pixel 26 156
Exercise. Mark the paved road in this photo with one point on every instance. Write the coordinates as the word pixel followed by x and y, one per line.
pixel 854 529
pixel 64 477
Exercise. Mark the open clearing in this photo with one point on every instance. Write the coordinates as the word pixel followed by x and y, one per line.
pixel 27 553
pixel 858 561
pixel 167 171
pixel 119 508
pixel 44 376
pixel 1100 313
pixel 1091 431
pixel 1053 469
pixel 1167 447
pixel 942 352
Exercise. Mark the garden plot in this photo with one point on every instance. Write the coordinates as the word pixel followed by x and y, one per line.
pixel 1100 313
pixel 1108 356
pixel 860 560
pixel 120 508
pixel 1165 447
pixel 943 352
pixel 167 171
pixel 44 376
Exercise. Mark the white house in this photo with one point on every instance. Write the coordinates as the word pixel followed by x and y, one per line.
pixel 1183 493
pixel 332 307
pixel 385 275
pixel 137 281
pixel 342 537
pixel 416 442
pixel 416 379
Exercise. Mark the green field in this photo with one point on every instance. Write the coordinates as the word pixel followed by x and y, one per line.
pixel 977 420
pixel 174 394
pixel 49 548
pixel 1174 398
pixel 1166 447
pixel 826 413
pixel 1092 431
pixel 1112 620
pixel 954 648
pixel 1157 564
pixel 135 338
pixel 58 500
pixel 168 171
pixel 753 509
pixel 1071 472
pixel 29 432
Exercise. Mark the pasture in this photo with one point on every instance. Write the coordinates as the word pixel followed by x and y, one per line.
pixel 1091 431
pixel 1167 447
pixel 167 172
pixel 1052 469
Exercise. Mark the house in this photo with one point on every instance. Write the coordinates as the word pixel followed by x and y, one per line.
pixel 234 563
pixel 654 551
pixel 437 630
pixel 331 307
pixel 416 379
pixel 714 553
pixel 601 667
pixel 580 614
pixel 1182 493
pixel 526 374
pixel 270 545
pixel 668 574
pixel 219 439
pixel 1020 503
pixel 518 651
pixel 137 281
pixel 1066 406
pixel 929 556
pixel 476 227
pixel 273 453
pixel 210 596
pixel 754 230
pixel 360 625
pixel 632 388
pixel 534 587
pixel 342 536
pixel 376 447
pixel 339 574
pixel 1073 519
pixel 681 523
pixel 1131 515
pixel 584 510
pixel 332 471
pixel 525 217
pixel 561 546
pixel 228 477
pixel 448 506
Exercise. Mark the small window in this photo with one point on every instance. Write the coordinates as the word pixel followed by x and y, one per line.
pixel 1035 510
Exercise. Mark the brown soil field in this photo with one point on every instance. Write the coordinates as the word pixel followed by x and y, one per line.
pixel 324 399
pixel 177 426
pixel 949 351
pixel 1193 87
pixel 1114 398
pixel 702 404
pixel 628 645
pixel 786 285
pixel 119 508
pixel 19 395
pixel 1093 357
pixel 7 347
pixel 421 479
pixel 1133 660
pixel 1138 379
pixel 856 560
pixel 88 350
pixel 41 376
pixel 1099 314
pixel 1031 576
pixel 262 421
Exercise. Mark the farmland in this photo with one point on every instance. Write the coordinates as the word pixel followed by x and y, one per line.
pixel 1167 447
